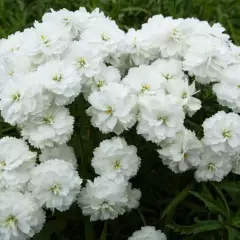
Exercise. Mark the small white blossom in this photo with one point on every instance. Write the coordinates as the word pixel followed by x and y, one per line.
pixel 61 79
pixel 144 80
pixel 55 184
pixel 213 167
pixel 222 133
pixel 113 109
pixel 103 199
pixel 183 152
pixel 160 117
pixel 54 126
pixel 148 233
pixel 20 216
pixel 15 164
pixel 84 58
pixel 114 158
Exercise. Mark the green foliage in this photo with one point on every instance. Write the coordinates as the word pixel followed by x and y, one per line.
pixel 183 209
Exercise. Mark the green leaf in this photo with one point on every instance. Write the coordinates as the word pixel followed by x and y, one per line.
pixel 178 199
pixel 224 201
pixel 212 205
pixel 233 234
pixel 203 226
pixel 231 187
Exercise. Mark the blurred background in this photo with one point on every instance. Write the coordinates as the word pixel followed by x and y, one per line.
pixel 19 14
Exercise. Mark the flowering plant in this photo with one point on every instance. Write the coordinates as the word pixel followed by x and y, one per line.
pixel 90 103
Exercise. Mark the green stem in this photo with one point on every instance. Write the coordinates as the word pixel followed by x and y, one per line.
pixel 104 232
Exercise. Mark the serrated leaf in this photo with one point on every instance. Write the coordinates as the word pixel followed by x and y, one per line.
pixel 203 226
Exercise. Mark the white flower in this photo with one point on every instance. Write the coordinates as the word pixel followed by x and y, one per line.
pixel 144 80
pixel 213 167
pixel 86 59
pixel 113 109
pixel 184 92
pixel 63 152
pixel 54 126
pixel 174 34
pixel 16 162
pixel 148 233
pixel 141 46
pixel 114 158
pixel 170 69
pixel 222 133
pixel 61 79
pixel 160 117
pixel 55 184
pixel 105 35
pixel 20 216
pixel 210 59
pixel 134 196
pixel 103 199
pixel 13 43
pixel 183 152
pixel 53 38
pixel 228 90
pixel 21 98
pixel 98 82
pixel 69 20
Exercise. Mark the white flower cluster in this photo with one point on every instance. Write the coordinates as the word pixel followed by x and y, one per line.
pixel 26 188
pixel 145 77
pixel 110 194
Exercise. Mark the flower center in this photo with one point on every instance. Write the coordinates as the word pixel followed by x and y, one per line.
pixel 100 83
pixel 16 96
pixel 184 95
pixel 211 167
pixel 104 37
pixel 56 188
pixel 185 155
pixel 109 110
pixel 168 76
pixel 117 165
pixel 44 39
pixel 11 221
pixel 145 88
pixel 227 134
pixel 11 73
pixel 48 120
pixel 81 62
pixel 2 165
pixel 57 78
pixel 164 119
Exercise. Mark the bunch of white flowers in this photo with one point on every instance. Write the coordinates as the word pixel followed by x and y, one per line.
pixel 110 194
pixel 148 77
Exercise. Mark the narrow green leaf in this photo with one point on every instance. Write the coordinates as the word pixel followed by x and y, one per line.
pixel 209 203
pixel 203 226
pixel 233 234
pixel 224 201
pixel 178 199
